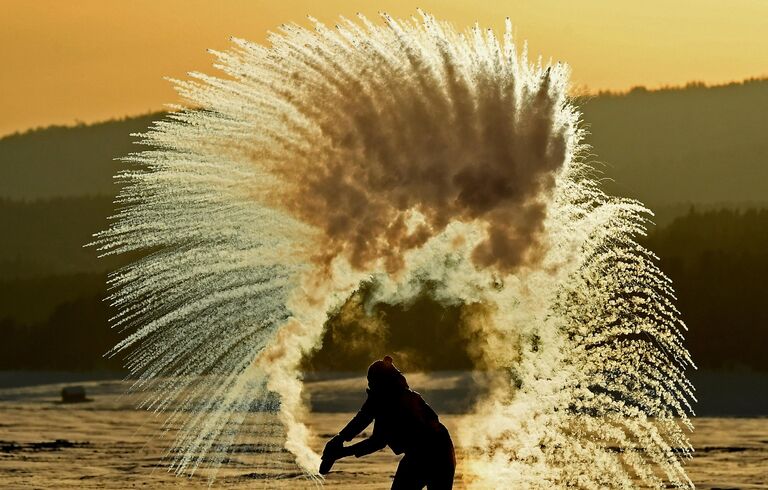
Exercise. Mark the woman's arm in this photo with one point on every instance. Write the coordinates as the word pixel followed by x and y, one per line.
pixel 334 449
pixel 366 446
pixel 360 421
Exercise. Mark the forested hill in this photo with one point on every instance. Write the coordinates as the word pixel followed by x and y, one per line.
pixel 678 149
pixel 707 146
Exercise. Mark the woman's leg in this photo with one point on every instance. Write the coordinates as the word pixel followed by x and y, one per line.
pixel 411 473
pixel 442 467
pixel 432 466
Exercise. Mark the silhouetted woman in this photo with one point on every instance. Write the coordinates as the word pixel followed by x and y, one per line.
pixel 404 422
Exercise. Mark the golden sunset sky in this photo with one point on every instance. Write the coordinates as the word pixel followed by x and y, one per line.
pixel 88 60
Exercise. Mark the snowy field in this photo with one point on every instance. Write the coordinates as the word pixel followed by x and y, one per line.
pixel 107 443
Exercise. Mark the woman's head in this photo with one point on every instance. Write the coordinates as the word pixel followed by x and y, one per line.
pixel 384 376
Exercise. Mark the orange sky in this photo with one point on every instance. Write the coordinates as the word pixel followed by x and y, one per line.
pixel 87 60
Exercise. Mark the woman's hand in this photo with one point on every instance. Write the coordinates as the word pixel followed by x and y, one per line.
pixel 334 446
pixel 334 449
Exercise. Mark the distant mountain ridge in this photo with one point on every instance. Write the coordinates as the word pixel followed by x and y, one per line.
pixel 700 145
pixel 67 161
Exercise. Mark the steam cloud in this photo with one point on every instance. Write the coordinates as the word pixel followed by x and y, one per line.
pixel 398 154
pixel 437 134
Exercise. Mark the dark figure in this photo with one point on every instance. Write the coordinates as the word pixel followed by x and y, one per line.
pixel 404 422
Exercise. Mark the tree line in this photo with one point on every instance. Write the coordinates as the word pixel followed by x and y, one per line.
pixel 716 260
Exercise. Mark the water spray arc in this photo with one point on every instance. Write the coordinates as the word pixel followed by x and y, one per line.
pixel 400 154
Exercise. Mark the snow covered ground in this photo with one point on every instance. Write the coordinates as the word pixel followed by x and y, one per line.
pixel 107 443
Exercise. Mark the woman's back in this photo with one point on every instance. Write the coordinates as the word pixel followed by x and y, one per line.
pixel 403 419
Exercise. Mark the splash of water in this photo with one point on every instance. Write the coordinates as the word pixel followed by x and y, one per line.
pixel 398 154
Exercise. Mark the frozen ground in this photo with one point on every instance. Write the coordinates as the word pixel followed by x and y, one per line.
pixel 106 443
